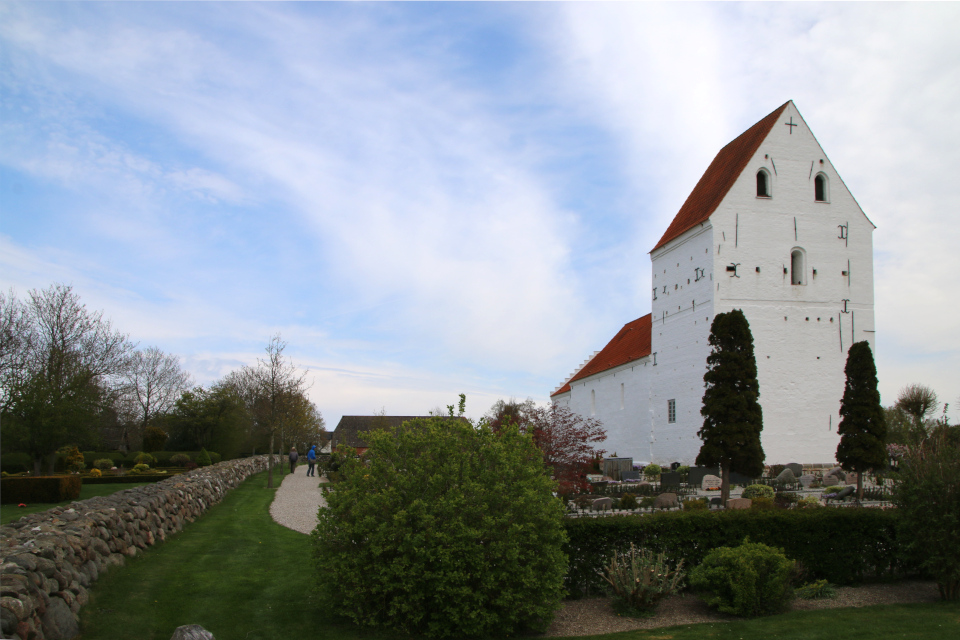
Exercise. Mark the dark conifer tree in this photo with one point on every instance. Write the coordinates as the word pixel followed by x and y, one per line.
pixel 732 417
pixel 863 428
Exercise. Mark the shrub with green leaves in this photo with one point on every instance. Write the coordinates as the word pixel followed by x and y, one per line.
pixel 628 501
pixel 640 578
pixel 444 529
pixel 927 495
pixel 816 590
pixel 103 464
pixel 698 504
pixel 140 468
pixel 652 471
pixel 179 459
pixel 144 458
pixel 750 580
pixel 74 460
pixel 203 459
pixel 755 491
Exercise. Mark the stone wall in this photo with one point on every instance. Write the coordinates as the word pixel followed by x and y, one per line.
pixel 48 560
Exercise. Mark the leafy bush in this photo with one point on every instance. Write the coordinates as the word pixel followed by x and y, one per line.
pixel 776 470
pixel 647 502
pixel 103 464
pixel 809 502
pixel 140 468
pixel 927 495
pixel 684 472
pixel 700 504
pixel 785 500
pixel 628 501
pixel 444 529
pixel 750 580
pixel 95 473
pixel 74 460
pixel 179 459
pixel 763 502
pixel 652 471
pixel 830 491
pixel 203 459
pixel 641 578
pixel 16 462
pixel 758 490
pixel 816 590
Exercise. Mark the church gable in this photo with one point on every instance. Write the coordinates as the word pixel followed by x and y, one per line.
pixel 719 177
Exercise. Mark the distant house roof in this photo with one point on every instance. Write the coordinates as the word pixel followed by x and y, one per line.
pixel 350 429
pixel 632 342
pixel 719 177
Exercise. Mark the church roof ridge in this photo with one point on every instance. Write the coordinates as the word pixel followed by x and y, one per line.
pixel 719 177
pixel 632 342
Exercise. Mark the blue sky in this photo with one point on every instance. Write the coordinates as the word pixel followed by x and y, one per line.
pixel 425 199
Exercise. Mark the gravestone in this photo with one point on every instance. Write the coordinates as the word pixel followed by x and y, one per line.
pixel 665 501
pixel 739 503
pixel 846 492
pixel 807 479
pixel 786 477
pixel 739 478
pixel 670 479
pixel 696 474
pixel 675 465
pixel 851 478
pixel 602 503
pixel 715 501
pixel 710 482
pixel 629 475
pixel 834 476
pixel 796 467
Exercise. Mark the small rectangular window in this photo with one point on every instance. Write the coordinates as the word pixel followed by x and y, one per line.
pixel 671 411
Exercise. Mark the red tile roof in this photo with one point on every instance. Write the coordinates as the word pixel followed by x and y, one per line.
pixel 719 177
pixel 632 342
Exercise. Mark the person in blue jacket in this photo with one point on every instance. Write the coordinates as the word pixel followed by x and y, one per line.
pixel 312 461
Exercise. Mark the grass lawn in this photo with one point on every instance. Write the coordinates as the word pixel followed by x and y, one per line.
pixel 11 512
pixel 240 575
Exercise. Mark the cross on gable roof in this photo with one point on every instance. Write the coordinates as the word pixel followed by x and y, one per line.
pixel 719 177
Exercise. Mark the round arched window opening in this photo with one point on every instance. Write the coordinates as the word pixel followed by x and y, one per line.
pixel 820 188
pixel 797 267
pixel 763 184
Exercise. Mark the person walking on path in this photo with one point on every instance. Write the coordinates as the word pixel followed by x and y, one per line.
pixel 293 459
pixel 312 461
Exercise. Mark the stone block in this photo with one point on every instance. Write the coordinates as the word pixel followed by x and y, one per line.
pixel 601 504
pixel 796 467
pixel 666 501
pixel 786 477
pixel 739 503
pixel 807 480
pixel 710 482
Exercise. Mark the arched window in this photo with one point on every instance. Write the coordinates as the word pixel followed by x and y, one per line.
pixel 797 267
pixel 763 184
pixel 820 188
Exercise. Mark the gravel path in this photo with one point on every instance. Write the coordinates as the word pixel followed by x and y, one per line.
pixel 297 500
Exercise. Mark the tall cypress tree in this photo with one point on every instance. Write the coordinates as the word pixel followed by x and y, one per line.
pixel 863 428
pixel 732 417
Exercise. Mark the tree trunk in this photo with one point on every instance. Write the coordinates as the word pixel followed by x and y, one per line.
pixel 724 485
pixel 37 459
pixel 270 464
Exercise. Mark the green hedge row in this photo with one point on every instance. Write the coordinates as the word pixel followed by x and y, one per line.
pixel 20 462
pixel 129 478
pixel 37 490
pixel 840 545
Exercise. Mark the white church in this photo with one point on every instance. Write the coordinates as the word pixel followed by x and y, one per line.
pixel 771 229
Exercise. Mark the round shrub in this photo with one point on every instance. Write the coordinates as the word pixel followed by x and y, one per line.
pixel 144 458
pixel 103 464
pixel 699 504
pixel 763 502
pixel 684 472
pixel 203 458
pixel 140 468
pixel 74 460
pixel 179 459
pixel 755 491
pixel 95 473
pixel 628 501
pixel 750 580
pixel 652 471
pixel 809 502
pixel 444 529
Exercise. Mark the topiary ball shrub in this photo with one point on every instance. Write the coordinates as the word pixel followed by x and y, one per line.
pixel 750 580
pixel 144 458
pixel 652 471
pixel 203 458
pixel 179 459
pixel 103 464
pixel 95 473
pixel 444 529
pixel 755 491
pixel 629 501
pixel 140 468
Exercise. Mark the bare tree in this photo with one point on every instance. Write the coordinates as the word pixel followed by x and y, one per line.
pixel 153 383
pixel 59 371
pixel 276 383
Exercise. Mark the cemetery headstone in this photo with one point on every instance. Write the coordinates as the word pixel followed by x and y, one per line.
pixel 851 478
pixel 710 482
pixel 807 479
pixel 796 467
pixel 665 501
pixel 846 492
pixel 786 477
pixel 739 503
pixel 696 474
pixel 629 475
pixel 670 479
pixel 601 504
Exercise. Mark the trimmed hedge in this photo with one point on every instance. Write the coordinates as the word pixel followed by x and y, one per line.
pixel 129 478
pixel 40 490
pixel 128 460
pixel 843 546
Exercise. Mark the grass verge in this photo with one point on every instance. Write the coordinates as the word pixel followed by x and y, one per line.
pixel 11 512
pixel 240 575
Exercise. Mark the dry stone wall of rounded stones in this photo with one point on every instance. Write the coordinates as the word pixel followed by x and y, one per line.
pixel 48 560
